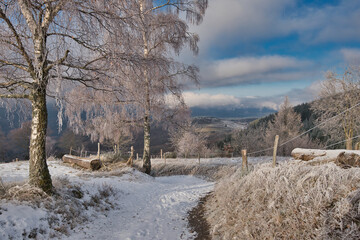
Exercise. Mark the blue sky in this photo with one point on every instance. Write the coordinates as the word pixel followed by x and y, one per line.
pixel 255 52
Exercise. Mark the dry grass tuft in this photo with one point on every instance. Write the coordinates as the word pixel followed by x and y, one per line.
pixel 291 201
pixel 26 192
pixel 211 172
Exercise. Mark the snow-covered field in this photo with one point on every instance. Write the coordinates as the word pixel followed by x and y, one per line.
pixel 144 207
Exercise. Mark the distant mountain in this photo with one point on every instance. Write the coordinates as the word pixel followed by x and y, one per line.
pixel 231 112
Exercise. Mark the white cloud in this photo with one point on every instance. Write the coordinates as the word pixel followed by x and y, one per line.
pixel 208 100
pixel 227 20
pixel 296 96
pixel 245 21
pixel 254 70
pixel 351 55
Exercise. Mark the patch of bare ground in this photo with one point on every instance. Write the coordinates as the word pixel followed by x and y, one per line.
pixel 197 221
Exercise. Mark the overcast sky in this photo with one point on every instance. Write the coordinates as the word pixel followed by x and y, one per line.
pixel 255 52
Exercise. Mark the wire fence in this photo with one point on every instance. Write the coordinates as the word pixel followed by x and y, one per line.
pixel 309 130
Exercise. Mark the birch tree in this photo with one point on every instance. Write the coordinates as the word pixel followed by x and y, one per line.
pixel 338 93
pixel 40 42
pixel 144 68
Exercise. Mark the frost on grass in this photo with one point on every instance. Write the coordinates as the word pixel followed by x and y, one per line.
pixel 42 216
pixel 291 201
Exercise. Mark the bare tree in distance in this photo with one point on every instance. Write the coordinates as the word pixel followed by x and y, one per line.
pixel 44 46
pixel 338 93
pixel 189 142
pixel 287 124
pixel 145 72
pixel 251 138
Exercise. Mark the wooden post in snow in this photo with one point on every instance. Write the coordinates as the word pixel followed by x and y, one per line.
pixel 130 161
pixel 244 160
pixel 275 149
pixel 137 156
pixel 199 158
pixel 161 154
pixel 98 153
pixel 165 158
pixel 70 150
pixel 357 146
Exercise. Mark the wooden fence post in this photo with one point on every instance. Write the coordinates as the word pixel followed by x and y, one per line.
pixel 357 146
pixel 70 150
pixel 275 149
pixel 199 158
pixel 161 154
pixel 244 160
pixel 165 158
pixel 98 153
pixel 130 160
pixel 137 156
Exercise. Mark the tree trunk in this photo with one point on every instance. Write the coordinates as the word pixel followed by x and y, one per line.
pixel 146 157
pixel 349 144
pixel 39 175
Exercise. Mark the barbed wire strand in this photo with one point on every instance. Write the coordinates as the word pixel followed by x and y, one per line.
pixel 340 142
pixel 302 134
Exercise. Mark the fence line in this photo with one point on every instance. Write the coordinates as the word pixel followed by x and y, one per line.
pixel 340 142
pixel 316 126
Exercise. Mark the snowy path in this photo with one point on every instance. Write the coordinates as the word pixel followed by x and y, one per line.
pixel 152 209
pixel 146 207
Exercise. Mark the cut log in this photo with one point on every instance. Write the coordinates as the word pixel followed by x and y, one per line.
pixel 92 163
pixel 320 155
pixel 307 154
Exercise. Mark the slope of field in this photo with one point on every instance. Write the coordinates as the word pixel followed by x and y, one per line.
pixel 291 201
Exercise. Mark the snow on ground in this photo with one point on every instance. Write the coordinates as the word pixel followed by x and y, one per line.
pixel 145 207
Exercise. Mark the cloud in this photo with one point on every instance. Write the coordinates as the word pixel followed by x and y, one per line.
pixel 227 20
pixel 208 100
pixel 351 55
pixel 252 70
pixel 296 96
pixel 230 22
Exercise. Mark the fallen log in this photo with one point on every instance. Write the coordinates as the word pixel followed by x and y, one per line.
pixel 92 163
pixel 321 155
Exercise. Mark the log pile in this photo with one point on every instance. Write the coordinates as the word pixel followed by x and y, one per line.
pixel 92 163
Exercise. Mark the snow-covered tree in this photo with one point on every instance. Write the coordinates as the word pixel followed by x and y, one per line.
pixel 43 45
pixel 287 124
pixel 338 93
pixel 144 71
